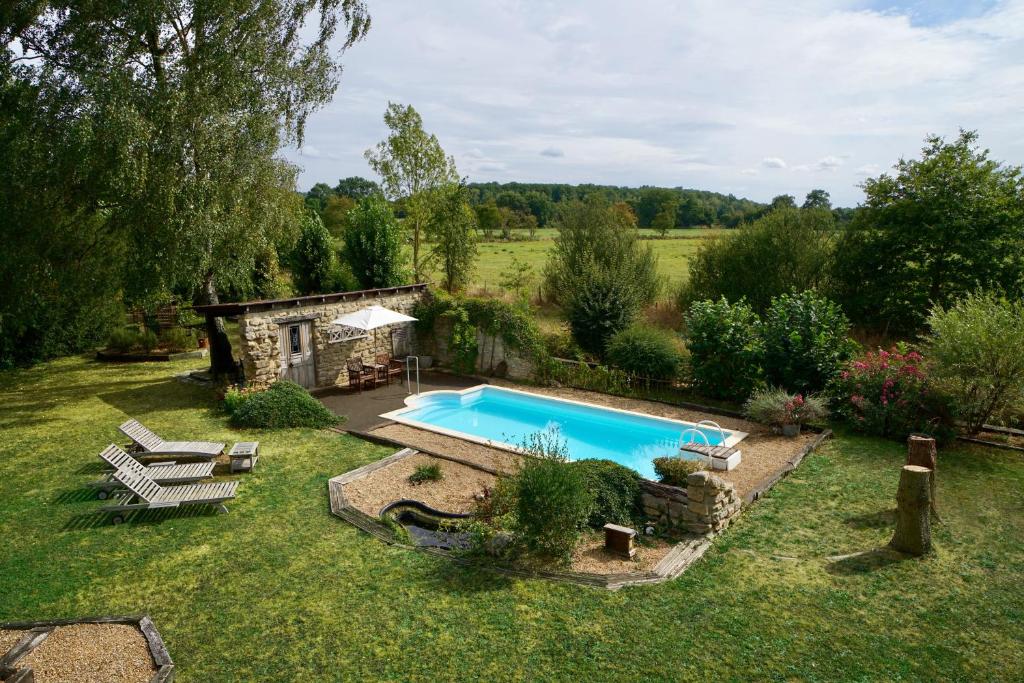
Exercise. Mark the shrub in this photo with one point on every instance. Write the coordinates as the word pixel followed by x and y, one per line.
pixel 284 404
pixel 976 348
pixel 888 394
pixel 778 407
pixel 600 303
pixel 426 473
pixel 148 340
pixel 177 339
pixel 553 504
pixel 674 470
pixel 373 244
pixel 646 352
pixel 562 345
pixel 806 341
pixel 725 347
pixel 784 250
pixel 123 340
pixel 616 489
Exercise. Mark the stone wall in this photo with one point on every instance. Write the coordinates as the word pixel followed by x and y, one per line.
pixel 261 350
pixel 494 357
pixel 707 504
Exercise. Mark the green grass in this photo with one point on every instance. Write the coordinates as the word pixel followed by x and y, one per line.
pixel 673 255
pixel 280 590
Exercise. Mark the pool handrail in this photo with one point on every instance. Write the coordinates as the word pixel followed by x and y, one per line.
pixel 707 442
pixel 712 423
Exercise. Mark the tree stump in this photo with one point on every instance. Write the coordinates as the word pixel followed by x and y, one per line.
pixel 921 452
pixel 913 526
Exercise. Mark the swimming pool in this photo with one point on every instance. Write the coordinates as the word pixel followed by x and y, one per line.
pixel 503 418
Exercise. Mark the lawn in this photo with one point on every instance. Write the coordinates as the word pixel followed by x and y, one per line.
pixel 673 255
pixel 280 590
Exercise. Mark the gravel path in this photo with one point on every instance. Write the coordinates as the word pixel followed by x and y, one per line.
pixel 8 639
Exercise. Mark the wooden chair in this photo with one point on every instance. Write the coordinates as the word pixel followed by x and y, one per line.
pixel 148 443
pixel 360 374
pixel 388 367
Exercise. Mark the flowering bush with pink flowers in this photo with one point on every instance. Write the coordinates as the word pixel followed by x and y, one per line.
pixel 888 393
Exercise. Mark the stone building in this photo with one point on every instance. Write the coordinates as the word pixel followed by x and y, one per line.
pixel 294 339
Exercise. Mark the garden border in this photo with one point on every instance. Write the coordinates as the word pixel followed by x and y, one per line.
pixel 40 630
pixel 678 559
pixel 771 480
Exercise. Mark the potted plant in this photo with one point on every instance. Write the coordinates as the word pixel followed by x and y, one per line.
pixel 783 411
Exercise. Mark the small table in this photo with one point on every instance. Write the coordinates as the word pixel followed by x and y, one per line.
pixel 244 455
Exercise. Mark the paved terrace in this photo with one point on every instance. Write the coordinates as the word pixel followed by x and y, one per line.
pixel 363 409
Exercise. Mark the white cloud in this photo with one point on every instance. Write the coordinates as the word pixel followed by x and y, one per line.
pixel 749 171
pixel 552 152
pixel 698 90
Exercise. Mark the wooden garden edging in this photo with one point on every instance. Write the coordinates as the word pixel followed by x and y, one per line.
pixel 672 565
pixel 38 631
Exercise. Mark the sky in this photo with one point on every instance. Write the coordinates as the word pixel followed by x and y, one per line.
pixel 750 98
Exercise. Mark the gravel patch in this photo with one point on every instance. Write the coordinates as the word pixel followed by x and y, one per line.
pixel 8 639
pixel 454 493
pixel 590 557
pixel 100 653
pixel 495 459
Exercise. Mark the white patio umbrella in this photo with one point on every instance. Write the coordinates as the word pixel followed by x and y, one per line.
pixel 372 317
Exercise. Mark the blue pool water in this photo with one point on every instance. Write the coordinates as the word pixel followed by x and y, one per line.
pixel 508 417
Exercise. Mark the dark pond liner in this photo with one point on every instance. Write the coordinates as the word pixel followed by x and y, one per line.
pixel 423 524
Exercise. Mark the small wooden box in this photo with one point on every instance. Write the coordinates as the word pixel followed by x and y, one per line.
pixel 620 540
pixel 244 456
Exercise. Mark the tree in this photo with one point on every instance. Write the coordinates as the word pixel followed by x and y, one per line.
pixel 413 168
pixel 452 231
pixel 817 199
pixel 335 213
pixel 942 226
pixel 318 195
pixel 191 178
pixel 488 218
pixel 787 249
pixel 517 278
pixel 313 261
pixel 373 244
pixel 665 219
pixel 783 201
pixel 356 188
pixel 599 272
pixel 976 351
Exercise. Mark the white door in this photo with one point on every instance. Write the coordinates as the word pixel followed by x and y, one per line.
pixel 297 353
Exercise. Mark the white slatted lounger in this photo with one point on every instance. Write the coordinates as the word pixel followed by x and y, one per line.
pixel 162 473
pixel 151 444
pixel 146 494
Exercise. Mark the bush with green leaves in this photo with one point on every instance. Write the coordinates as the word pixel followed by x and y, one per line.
pixel 786 249
pixel 123 340
pixel 283 405
pixel 373 244
pixel 148 340
pixel 646 352
pixel 674 470
pixel 976 351
pixel 890 394
pixel 553 504
pixel 806 341
pixel 601 302
pixel 726 349
pixel 313 260
pixel 616 490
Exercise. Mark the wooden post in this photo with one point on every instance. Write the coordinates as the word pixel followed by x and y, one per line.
pixel 921 452
pixel 913 528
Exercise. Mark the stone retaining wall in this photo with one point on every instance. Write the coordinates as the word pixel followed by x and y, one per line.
pixel 261 350
pixel 494 357
pixel 707 504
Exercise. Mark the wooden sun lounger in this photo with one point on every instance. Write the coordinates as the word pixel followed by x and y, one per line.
pixel 145 494
pixel 162 473
pixel 149 443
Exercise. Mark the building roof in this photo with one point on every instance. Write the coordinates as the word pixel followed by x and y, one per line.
pixel 299 301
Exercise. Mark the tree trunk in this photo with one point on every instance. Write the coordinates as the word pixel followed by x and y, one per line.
pixel 221 361
pixel 921 452
pixel 913 529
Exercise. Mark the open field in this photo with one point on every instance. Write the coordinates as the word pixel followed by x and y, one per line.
pixel 673 254
pixel 280 590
